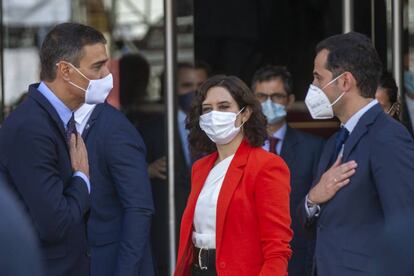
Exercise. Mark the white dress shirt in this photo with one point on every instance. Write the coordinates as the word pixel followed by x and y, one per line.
pixel 349 125
pixel 82 115
pixel 280 135
pixel 204 234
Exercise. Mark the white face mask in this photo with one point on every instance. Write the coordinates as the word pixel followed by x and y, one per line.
pixel 97 90
pixel 318 103
pixel 220 126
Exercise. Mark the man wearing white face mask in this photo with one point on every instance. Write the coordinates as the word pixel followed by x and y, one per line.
pixel 42 155
pixel 272 86
pixel 362 198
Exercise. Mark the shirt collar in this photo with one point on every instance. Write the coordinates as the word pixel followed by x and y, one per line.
pixel 280 133
pixel 352 122
pixel 63 111
pixel 82 112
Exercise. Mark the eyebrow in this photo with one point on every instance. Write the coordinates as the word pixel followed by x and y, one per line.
pixel 316 74
pixel 222 102
pixel 100 62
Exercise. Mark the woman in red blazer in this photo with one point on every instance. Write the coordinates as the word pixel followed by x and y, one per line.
pixel 237 218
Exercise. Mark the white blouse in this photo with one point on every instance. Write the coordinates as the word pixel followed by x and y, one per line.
pixel 204 234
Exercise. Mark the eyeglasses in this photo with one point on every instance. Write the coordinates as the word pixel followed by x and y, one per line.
pixel 275 97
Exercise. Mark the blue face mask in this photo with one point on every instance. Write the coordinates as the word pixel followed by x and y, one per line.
pixel 274 112
pixel 409 82
pixel 184 101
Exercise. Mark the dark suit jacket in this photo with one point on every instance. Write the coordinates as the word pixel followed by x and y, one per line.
pixel 353 227
pixel 34 156
pixel 155 139
pixel 20 255
pixel 301 152
pixel 121 199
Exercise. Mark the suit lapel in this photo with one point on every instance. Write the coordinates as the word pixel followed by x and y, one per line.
pixel 288 147
pixel 46 105
pixel 92 119
pixel 360 129
pixel 230 183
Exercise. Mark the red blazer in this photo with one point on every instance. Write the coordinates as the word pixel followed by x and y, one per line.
pixel 253 219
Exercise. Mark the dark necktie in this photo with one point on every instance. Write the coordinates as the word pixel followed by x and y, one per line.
pixel 272 144
pixel 340 140
pixel 71 128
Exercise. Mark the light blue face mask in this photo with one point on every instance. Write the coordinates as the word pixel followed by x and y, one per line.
pixel 274 112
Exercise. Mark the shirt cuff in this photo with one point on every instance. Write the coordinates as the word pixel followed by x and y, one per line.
pixel 311 210
pixel 85 178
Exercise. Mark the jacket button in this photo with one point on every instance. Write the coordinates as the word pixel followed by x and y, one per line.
pixel 222 265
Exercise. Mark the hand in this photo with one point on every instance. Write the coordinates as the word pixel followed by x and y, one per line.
pixel 78 154
pixel 332 181
pixel 158 169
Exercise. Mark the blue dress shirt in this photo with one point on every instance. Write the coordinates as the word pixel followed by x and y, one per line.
pixel 65 114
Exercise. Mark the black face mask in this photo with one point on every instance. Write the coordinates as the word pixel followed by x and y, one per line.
pixel 184 101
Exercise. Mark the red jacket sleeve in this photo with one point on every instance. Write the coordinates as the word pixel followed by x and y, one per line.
pixel 272 203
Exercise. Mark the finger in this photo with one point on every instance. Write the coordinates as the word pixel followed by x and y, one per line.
pixel 163 176
pixel 347 174
pixel 160 175
pixel 348 166
pixel 341 184
pixel 72 141
pixel 162 165
pixel 337 162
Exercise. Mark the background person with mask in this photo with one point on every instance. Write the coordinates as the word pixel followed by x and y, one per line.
pixel 41 154
pixel 121 198
pixel 364 185
pixel 272 86
pixel 237 219
pixel 189 78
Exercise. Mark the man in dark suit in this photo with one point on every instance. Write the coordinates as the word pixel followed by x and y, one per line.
pixel 272 86
pixel 189 78
pixel 49 176
pixel 364 191
pixel 20 255
pixel 121 199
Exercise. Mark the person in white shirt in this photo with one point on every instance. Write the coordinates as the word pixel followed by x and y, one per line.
pixel 237 219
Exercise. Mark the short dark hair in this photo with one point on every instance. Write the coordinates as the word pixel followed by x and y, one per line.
pixel 387 82
pixel 254 129
pixel 66 42
pixel 353 52
pixel 272 72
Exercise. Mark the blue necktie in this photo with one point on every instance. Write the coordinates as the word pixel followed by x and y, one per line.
pixel 71 128
pixel 340 140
